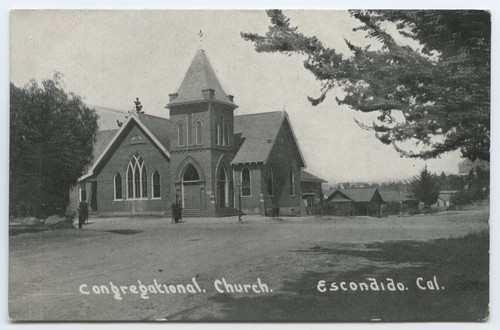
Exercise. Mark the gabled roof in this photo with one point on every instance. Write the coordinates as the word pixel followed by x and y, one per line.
pixel 131 120
pixel 102 140
pixel 360 194
pixel 339 199
pixel 306 176
pixel 394 196
pixel 200 76
pixel 356 194
pixel 255 136
pixel 160 127
pixel 327 193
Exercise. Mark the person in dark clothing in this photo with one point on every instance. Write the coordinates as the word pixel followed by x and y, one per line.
pixel 83 214
pixel 176 213
pixel 276 211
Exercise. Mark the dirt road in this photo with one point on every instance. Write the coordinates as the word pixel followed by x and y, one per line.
pixel 47 269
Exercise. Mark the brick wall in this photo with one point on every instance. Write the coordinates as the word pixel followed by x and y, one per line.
pixel 118 162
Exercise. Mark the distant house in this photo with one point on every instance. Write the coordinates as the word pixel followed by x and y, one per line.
pixel 328 192
pixel 444 200
pixel 396 202
pixel 466 165
pixel 312 192
pixel 354 201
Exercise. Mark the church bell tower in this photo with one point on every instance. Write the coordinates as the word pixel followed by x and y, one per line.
pixel 201 141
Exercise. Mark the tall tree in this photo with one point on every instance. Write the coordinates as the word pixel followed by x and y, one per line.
pixel 425 187
pixel 52 133
pixel 429 100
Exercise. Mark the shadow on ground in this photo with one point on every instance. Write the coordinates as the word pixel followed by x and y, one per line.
pixel 124 231
pixel 461 265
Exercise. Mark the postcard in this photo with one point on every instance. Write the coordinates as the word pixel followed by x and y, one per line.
pixel 249 165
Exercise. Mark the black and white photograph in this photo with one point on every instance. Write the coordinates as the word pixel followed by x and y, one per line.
pixel 249 165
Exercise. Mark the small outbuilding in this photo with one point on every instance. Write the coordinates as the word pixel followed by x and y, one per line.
pixel 312 191
pixel 354 201
pixel 397 202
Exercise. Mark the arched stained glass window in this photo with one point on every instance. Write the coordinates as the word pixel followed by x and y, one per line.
pixel 198 130
pixel 144 182
pixel 219 134
pixel 118 186
pixel 190 174
pixel 292 182
pixel 180 134
pixel 226 135
pixel 137 179
pixel 156 184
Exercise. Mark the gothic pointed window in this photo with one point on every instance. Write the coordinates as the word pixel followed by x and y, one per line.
pixel 118 186
pixel 198 130
pixel 226 135
pixel 137 179
pixel 156 184
pixel 189 129
pixel 218 134
pixel 180 134
pixel 144 182
pixel 245 182
pixel 190 174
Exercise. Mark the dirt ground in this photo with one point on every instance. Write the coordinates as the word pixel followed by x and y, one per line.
pixel 290 256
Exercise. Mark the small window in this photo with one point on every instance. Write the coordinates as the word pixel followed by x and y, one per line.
pixel 156 184
pixel 136 139
pixel 189 129
pixel 198 130
pixel 144 178
pixel 118 186
pixel 226 135
pixel 245 182
pixel 292 182
pixel 83 192
pixel 180 134
pixel 219 134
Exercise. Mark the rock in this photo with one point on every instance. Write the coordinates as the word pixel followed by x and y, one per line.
pixel 56 222
pixel 31 221
pixel 53 219
pixel 17 220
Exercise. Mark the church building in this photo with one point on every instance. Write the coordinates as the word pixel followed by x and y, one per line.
pixel 204 157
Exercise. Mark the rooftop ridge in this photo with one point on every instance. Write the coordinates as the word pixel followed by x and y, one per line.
pixel 259 113
pixel 107 109
pixel 149 115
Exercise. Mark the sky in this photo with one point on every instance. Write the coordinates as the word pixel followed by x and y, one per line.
pixel 112 57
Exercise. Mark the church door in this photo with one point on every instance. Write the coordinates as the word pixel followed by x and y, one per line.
pixel 223 193
pixel 191 192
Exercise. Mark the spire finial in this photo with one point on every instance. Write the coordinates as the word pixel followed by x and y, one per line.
pixel 200 34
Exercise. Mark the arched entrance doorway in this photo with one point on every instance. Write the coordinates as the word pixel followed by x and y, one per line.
pixel 191 192
pixel 223 187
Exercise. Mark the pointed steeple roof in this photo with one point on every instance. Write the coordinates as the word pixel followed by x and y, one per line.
pixel 199 81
